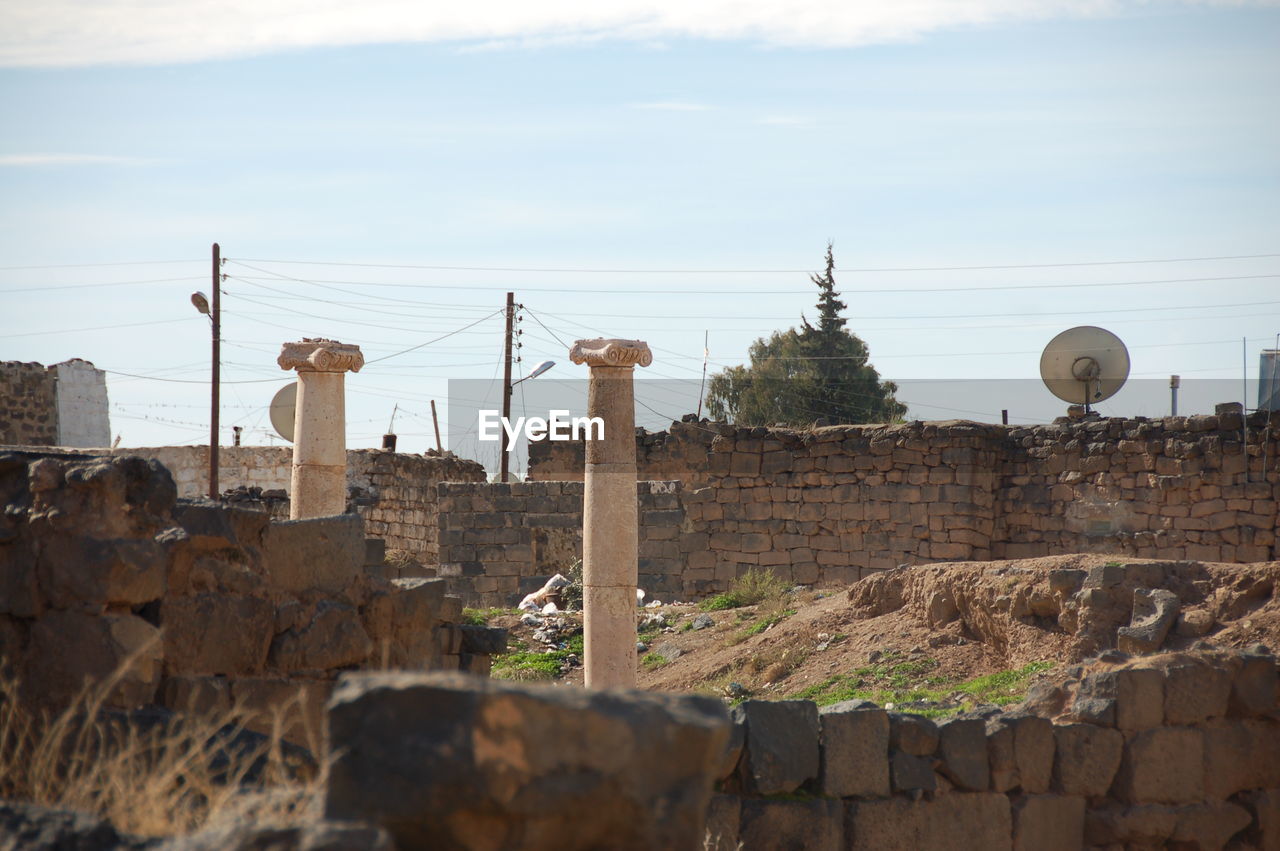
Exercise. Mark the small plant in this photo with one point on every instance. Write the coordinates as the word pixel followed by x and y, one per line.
pixel 753 586
pixel 652 661
pixel 571 594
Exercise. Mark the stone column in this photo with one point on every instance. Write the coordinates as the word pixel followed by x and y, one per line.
pixel 610 533
pixel 318 484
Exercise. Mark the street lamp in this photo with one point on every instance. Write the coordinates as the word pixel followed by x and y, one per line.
pixel 506 405
pixel 214 312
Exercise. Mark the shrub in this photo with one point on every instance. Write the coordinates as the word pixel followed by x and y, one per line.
pixel 756 585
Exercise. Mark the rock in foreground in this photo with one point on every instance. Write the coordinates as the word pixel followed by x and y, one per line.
pixel 449 761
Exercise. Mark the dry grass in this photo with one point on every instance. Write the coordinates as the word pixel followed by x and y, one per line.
pixel 167 778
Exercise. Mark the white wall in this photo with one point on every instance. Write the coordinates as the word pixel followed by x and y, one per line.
pixel 81 394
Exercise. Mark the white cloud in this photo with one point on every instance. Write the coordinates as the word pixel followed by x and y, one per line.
pixel 52 33
pixel 18 160
pixel 672 106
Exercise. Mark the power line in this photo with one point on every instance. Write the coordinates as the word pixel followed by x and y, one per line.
pixel 97 328
pixel 44 287
pixel 597 271
pixel 93 265
pixel 437 339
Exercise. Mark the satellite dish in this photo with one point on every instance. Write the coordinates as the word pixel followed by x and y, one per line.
pixel 1084 365
pixel 283 406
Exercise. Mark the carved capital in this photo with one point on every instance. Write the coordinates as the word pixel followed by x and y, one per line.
pixel 316 354
pixel 603 352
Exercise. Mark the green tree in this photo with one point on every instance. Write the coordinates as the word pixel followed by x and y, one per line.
pixel 814 373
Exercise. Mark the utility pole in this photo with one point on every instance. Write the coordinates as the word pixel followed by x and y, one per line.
pixel 505 466
pixel 1174 383
pixel 216 316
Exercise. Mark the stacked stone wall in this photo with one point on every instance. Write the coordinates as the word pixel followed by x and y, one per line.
pixel 28 404
pixel 831 505
pixel 1178 750
pixel 207 605
pixel 394 492
pixel 499 541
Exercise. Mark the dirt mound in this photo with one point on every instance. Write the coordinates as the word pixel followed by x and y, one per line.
pixel 945 634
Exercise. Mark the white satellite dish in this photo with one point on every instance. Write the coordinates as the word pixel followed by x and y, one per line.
pixel 283 407
pixel 1084 365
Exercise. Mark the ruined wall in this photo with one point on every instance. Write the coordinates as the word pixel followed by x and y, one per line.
pixel 60 405
pixel 499 541
pixel 394 492
pixel 215 604
pixel 28 406
pixel 830 505
pixel 1177 750
pixel 1180 750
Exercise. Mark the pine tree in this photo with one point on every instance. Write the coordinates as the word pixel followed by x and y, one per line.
pixel 814 374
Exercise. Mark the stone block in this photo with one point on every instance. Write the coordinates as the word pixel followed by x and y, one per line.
pixel 1162 766
pixel 1020 749
pixel 912 734
pixel 77 572
pixel 957 822
pixel 334 637
pixel 781 749
pixel 815 824
pixel 483 639
pixel 1265 831
pixel 1195 689
pixel 1048 822
pixel 196 694
pixel 216 634
pixel 855 752
pixel 68 650
pixel 962 748
pixel 1241 754
pixel 1086 759
pixel 319 553
pixel 1208 825
pixel 723 817
pixel 453 761
pixel 1136 697
pixel 909 773
pixel 1142 826
pixel 1253 690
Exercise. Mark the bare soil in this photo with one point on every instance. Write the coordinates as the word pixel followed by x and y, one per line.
pixel 966 619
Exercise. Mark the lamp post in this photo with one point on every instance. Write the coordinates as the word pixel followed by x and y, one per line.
pixel 505 461
pixel 214 313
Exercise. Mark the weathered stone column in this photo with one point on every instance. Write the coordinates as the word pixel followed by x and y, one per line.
pixel 610 534
pixel 318 484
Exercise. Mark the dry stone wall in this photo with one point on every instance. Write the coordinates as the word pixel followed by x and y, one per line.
pixel 28 404
pixel 60 405
pixel 500 541
pixel 394 492
pixel 1180 750
pixel 215 605
pixel 832 505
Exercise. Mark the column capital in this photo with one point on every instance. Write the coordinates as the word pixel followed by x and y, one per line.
pixel 609 352
pixel 316 354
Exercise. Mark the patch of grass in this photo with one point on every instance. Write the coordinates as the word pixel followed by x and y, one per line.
pixel 766 622
pixel 536 665
pixel 653 660
pixel 481 617
pixel 906 681
pixel 754 586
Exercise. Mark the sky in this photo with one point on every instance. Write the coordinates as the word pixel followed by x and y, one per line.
pixel 989 172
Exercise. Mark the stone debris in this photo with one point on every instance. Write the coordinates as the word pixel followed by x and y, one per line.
pixel 703 621
pixel 535 601
pixel 1154 611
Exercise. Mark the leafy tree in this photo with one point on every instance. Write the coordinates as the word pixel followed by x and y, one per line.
pixel 815 373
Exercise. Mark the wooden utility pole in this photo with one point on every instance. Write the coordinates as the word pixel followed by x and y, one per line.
pixel 435 421
pixel 505 468
pixel 216 316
